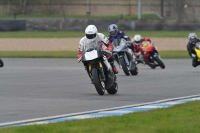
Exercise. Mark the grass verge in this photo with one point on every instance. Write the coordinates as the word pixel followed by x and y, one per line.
pixel 69 34
pixel 38 54
pixel 182 118
pixel 73 54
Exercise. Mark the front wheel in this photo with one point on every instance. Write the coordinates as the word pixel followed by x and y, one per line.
pixel 159 61
pixel 1 63
pixel 99 85
pixel 124 66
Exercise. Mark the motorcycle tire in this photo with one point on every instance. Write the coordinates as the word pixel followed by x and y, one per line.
pixel 97 82
pixel 113 89
pixel 124 66
pixel 1 63
pixel 152 66
pixel 135 71
pixel 159 61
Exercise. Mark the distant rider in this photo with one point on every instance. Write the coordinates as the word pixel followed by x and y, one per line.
pixel 192 37
pixel 92 37
pixel 114 33
pixel 137 44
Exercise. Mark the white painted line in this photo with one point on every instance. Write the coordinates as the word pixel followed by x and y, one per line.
pixel 108 111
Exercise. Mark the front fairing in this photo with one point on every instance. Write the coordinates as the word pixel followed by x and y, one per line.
pixel 148 48
pixel 149 52
pixel 197 50
pixel 121 47
pixel 91 53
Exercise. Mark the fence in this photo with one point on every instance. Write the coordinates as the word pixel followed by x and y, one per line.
pixel 181 10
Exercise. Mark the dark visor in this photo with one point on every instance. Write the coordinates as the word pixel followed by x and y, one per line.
pixel 193 39
pixel 90 36
pixel 137 41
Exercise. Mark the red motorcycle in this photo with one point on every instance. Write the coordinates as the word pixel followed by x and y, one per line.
pixel 150 55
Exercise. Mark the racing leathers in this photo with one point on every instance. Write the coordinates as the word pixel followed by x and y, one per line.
pixel 104 43
pixel 190 48
pixel 138 49
pixel 120 35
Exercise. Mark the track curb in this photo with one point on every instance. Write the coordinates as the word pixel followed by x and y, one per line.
pixel 104 112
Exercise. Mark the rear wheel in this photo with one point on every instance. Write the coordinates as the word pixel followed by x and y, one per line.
pixel 1 63
pixel 135 71
pixel 159 61
pixel 152 65
pixel 114 88
pixel 99 85
pixel 124 66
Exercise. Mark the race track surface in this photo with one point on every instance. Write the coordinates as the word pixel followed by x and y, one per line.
pixel 35 88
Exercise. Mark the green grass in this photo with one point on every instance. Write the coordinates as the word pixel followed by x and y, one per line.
pixel 73 54
pixel 182 118
pixel 174 54
pixel 38 54
pixel 41 34
pixel 79 34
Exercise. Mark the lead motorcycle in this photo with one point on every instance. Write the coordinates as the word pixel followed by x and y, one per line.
pixel 99 70
pixel 124 57
pixel 150 56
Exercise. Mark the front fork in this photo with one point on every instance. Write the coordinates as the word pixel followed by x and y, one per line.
pixel 100 69
pixel 102 72
pixel 152 58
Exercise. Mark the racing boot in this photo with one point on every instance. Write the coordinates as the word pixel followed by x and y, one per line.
pixel 114 68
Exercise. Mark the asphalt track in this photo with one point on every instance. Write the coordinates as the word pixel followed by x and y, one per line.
pixel 35 88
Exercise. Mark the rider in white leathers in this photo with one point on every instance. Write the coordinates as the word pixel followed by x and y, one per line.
pixel 93 38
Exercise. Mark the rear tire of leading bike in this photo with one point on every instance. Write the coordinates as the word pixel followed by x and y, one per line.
pixel 135 71
pixel 159 61
pixel 124 66
pixel 113 89
pixel 1 63
pixel 97 83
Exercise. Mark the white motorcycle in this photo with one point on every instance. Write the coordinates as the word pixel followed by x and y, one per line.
pixel 99 70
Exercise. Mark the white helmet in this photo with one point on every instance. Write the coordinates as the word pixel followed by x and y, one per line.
pixel 91 32
pixel 137 39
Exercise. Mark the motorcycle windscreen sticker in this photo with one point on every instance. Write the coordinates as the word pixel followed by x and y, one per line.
pixel 91 55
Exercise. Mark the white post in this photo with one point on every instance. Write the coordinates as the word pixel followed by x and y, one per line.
pixel 139 9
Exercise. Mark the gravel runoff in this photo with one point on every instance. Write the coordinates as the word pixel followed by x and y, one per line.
pixel 71 44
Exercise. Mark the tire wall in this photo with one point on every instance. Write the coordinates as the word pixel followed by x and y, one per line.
pixel 102 24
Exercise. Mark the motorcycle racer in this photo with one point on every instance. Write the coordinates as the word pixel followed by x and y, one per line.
pixel 140 44
pixel 137 44
pixel 93 37
pixel 192 37
pixel 114 33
